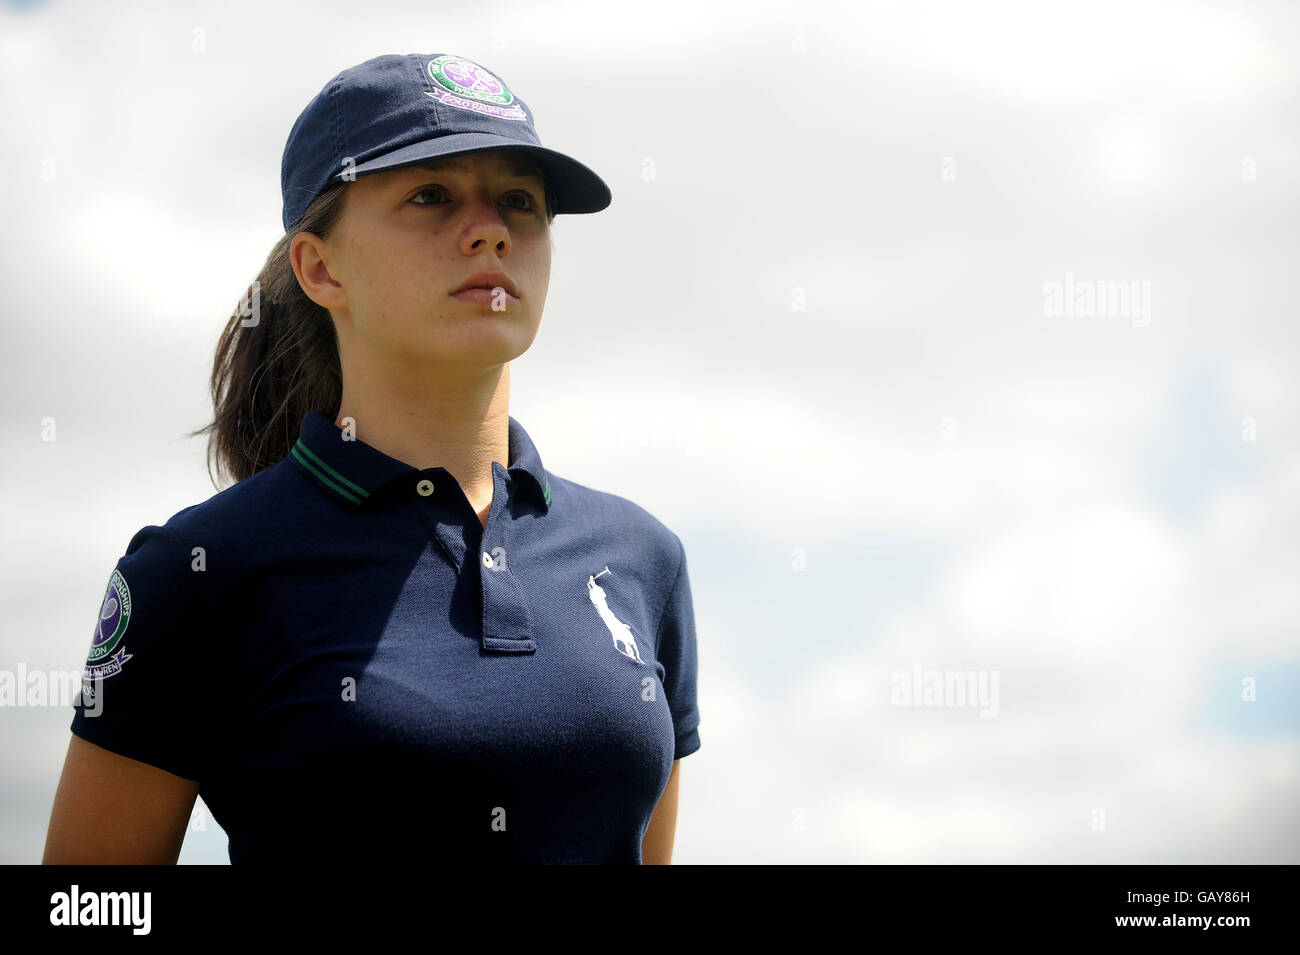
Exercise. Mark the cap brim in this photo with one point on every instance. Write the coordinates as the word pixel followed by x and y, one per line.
pixel 575 188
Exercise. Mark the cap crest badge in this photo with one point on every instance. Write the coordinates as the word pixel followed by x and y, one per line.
pixel 465 84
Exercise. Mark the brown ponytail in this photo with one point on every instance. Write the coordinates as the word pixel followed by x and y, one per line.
pixel 278 358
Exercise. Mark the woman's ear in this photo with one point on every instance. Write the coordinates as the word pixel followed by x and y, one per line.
pixel 307 256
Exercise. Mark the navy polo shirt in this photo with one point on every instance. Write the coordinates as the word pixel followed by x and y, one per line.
pixel 352 666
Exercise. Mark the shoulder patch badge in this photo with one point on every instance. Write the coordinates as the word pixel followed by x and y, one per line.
pixel 464 84
pixel 107 654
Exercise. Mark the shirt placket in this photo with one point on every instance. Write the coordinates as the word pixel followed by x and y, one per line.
pixel 506 624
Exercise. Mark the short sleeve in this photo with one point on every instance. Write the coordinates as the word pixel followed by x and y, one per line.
pixel 141 686
pixel 675 647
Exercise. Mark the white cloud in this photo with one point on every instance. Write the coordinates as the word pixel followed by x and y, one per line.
pixel 1074 53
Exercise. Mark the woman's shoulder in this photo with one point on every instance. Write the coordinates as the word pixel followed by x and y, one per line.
pixel 612 513
pixel 237 516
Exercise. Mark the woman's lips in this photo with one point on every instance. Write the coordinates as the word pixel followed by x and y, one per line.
pixel 486 296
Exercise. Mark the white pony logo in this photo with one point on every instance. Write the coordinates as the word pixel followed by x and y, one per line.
pixel 624 642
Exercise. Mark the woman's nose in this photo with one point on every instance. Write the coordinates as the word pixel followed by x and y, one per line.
pixel 487 227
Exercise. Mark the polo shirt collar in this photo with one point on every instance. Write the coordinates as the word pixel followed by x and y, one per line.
pixel 353 471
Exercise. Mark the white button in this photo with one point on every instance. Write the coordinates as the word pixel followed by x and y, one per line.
pixel 424 488
pixel 487 559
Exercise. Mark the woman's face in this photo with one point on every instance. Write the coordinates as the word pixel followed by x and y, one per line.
pixel 407 239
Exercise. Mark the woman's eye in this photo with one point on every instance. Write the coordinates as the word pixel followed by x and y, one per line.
pixel 528 205
pixel 426 189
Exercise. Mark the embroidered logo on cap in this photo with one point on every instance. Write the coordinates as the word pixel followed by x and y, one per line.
pixel 466 85
pixel 106 651
pixel 624 642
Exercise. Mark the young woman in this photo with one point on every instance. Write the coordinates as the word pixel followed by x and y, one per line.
pixel 397 634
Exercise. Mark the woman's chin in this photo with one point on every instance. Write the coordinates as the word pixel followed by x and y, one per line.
pixel 488 344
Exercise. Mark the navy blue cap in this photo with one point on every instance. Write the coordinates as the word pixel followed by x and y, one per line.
pixel 397 110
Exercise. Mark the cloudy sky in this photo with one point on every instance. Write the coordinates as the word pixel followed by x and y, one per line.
pixel 952 339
